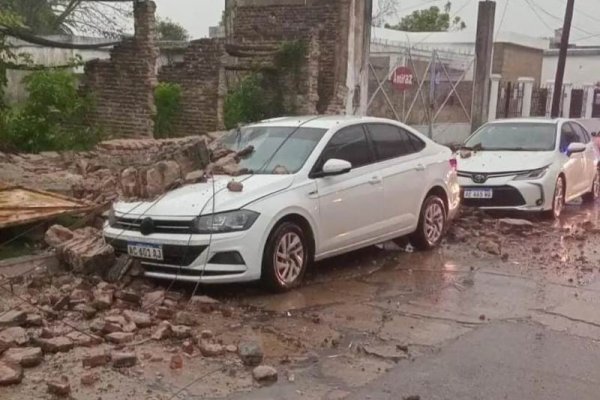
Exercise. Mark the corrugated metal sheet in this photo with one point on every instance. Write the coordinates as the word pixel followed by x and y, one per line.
pixel 20 205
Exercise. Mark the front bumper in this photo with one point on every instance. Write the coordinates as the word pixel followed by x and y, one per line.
pixel 509 194
pixel 191 258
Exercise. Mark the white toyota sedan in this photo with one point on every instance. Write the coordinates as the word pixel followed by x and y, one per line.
pixel 317 187
pixel 529 165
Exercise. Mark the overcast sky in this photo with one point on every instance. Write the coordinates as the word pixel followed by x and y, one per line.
pixel 198 15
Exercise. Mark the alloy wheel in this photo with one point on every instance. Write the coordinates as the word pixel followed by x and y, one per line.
pixel 433 225
pixel 288 258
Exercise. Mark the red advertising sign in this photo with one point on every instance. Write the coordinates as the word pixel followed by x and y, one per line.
pixel 402 78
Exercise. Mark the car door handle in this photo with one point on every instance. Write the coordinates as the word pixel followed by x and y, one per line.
pixel 375 180
pixel 420 167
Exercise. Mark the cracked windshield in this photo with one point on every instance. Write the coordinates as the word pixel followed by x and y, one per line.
pixel 299 199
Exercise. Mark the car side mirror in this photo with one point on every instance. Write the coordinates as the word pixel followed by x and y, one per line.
pixel 334 167
pixel 595 134
pixel 575 148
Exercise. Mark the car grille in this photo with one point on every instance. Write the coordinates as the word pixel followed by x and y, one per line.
pixel 158 226
pixel 188 271
pixel 181 256
pixel 504 196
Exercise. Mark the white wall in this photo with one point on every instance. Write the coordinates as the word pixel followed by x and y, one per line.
pixel 580 69
pixel 15 91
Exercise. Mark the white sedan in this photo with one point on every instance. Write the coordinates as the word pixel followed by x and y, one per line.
pixel 529 165
pixel 318 187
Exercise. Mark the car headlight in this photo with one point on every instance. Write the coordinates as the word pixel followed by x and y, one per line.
pixel 233 221
pixel 535 174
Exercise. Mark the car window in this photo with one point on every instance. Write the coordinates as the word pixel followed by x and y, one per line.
pixel 568 136
pixel 349 144
pixel 514 136
pixel 390 141
pixel 581 132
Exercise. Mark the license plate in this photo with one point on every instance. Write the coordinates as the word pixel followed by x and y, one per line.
pixel 479 193
pixel 147 251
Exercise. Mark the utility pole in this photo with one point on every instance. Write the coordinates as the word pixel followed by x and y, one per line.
pixel 484 46
pixel 562 60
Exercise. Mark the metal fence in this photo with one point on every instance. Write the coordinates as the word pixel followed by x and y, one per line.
pixel 420 86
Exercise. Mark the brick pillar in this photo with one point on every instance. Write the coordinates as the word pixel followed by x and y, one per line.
pixel 144 13
pixel 527 95
pixel 589 101
pixel 566 99
pixel 494 88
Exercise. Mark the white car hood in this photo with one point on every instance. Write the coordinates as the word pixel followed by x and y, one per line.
pixel 504 161
pixel 194 200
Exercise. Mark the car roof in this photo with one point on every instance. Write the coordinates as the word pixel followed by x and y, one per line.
pixel 528 121
pixel 320 121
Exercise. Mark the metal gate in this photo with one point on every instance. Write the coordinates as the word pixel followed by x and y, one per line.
pixel 420 86
pixel 576 106
pixel 539 101
pixel 510 100
pixel 596 106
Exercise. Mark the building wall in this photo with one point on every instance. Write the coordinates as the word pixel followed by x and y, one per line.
pixel 583 68
pixel 278 20
pixel 198 76
pixel 123 86
pixel 47 56
pixel 513 61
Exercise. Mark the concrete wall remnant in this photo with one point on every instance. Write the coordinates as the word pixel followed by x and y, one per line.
pixel 123 86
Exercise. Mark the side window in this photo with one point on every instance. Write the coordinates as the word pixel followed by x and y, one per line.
pixel 391 141
pixel 567 136
pixel 581 133
pixel 348 144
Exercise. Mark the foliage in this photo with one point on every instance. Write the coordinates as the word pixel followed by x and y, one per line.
pixel 169 30
pixel 247 102
pixel 167 97
pixel 430 20
pixel 6 54
pixel 384 9
pixel 261 94
pixel 44 17
pixel 53 116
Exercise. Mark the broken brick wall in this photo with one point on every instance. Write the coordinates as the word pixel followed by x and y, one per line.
pixel 280 20
pixel 123 86
pixel 199 78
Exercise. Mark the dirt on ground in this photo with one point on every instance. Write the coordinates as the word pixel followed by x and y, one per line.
pixel 357 317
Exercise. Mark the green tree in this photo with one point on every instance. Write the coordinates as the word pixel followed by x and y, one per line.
pixel 7 56
pixel 431 19
pixel 44 17
pixel 52 118
pixel 169 30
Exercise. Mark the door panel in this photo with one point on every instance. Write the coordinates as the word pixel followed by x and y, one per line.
pixel 350 208
pixel 403 170
pixel 349 204
pixel 575 167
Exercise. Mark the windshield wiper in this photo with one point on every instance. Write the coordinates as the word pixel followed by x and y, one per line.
pixel 477 147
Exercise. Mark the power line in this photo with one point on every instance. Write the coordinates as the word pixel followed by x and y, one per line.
pixel 501 19
pixel 556 17
pixel 539 16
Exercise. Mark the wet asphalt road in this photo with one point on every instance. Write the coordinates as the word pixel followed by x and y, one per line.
pixel 384 323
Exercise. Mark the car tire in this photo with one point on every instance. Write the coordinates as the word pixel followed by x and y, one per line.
pixel 432 224
pixel 285 258
pixel 558 200
pixel 594 194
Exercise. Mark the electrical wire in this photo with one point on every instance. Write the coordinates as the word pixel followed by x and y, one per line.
pixel 501 20
pixel 533 4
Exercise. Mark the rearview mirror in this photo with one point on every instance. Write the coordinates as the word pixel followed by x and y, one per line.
pixel 336 167
pixel 575 148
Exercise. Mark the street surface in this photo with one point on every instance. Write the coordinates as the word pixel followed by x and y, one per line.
pixel 384 323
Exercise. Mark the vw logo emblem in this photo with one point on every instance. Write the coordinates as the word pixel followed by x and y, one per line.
pixel 479 178
pixel 147 226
